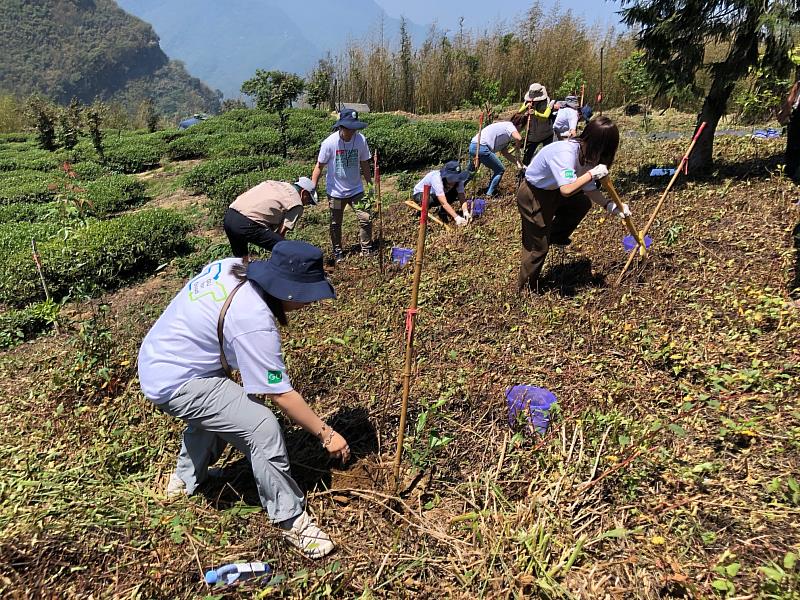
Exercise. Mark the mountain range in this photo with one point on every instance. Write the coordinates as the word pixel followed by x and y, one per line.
pixel 224 42
pixel 89 49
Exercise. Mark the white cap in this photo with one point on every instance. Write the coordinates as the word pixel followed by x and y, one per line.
pixel 535 93
pixel 305 183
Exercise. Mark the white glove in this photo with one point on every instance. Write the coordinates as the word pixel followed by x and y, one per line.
pixel 598 172
pixel 460 221
pixel 612 209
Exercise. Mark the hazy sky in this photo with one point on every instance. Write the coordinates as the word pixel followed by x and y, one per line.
pixel 479 14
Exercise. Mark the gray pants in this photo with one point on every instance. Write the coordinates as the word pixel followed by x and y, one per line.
pixel 217 413
pixel 337 216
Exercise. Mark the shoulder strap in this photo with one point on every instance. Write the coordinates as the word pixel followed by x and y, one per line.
pixel 220 326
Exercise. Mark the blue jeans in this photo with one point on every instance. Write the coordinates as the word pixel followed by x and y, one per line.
pixel 490 159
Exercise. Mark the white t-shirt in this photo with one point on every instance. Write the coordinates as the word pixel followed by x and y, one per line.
pixel 183 345
pixel 343 160
pixel 557 164
pixel 434 179
pixel 566 120
pixel 497 135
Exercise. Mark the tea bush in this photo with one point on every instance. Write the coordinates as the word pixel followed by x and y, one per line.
pixel 114 193
pixel 28 186
pixel 253 143
pixel 416 144
pixel 19 325
pixel 30 212
pixel 134 153
pixel 89 170
pixel 98 256
pixel 188 147
pixel 204 177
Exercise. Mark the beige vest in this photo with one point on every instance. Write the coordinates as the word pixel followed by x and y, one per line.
pixel 268 202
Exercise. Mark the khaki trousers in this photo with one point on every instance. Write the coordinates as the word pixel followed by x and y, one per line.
pixel 547 217
pixel 337 206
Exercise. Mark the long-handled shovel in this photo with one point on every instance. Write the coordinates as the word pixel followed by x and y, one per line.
pixel 683 165
pixel 608 186
pixel 411 319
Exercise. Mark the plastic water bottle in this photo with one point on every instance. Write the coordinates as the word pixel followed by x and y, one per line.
pixel 236 572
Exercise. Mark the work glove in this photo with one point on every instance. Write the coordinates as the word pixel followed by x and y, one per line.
pixel 460 221
pixel 598 172
pixel 613 209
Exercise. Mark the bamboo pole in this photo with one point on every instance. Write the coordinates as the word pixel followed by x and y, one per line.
pixel 681 166
pixel 377 179
pixel 418 208
pixel 608 185
pixel 411 319
pixel 600 95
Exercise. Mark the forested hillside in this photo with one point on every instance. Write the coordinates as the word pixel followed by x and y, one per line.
pixel 91 48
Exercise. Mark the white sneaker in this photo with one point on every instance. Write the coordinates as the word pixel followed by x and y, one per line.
pixel 304 535
pixel 176 487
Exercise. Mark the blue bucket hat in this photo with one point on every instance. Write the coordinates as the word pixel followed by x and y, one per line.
pixel 348 118
pixel 451 171
pixel 295 272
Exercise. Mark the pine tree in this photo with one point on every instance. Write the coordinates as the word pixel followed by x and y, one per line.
pixel 674 36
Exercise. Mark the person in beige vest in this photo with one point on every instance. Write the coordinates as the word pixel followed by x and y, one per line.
pixel 263 214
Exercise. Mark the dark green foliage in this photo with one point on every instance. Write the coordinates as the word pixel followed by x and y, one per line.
pixel 204 177
pixel 417 144
pixel 320 85
pixel 14 137
pixel 31 212
pixel 94 116
pixel 114 193
pixel 27 186
pixel 275 91
pixel 19 325
pixel 148 116
pixel 42 115
pixel 255 143
pixel 187 147
pixel 15 236
pixel 134 154
pixel 69 124
pixel 89 170
pixel 99 256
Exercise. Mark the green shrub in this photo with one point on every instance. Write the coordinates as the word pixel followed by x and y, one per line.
pixel 114 193
pixel 251 117
pixel 134 154
pixel 16 236
pixel 89 170
pixel 19 325
pixel 15 137
pixel 253 143
pixel 416 144
pixel 188 147
pixel 30 212
pixel 28 186
pixel 204 177
pixel 99 256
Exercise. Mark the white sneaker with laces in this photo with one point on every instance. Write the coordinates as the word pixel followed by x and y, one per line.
pixel 176 487
pixel 303 534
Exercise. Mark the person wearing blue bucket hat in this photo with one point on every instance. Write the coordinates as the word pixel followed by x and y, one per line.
pixel 346 155
pixel 225 318
pixel 447 187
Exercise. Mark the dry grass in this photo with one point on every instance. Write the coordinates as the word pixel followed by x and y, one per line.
pixel 673 456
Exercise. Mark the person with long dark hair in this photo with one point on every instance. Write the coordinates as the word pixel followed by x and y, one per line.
pixel 558 191
pixel 227 318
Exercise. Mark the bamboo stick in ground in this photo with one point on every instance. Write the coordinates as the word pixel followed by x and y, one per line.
pixel 411 319
pixel 418 208
pixel 684 161
pixel 38 262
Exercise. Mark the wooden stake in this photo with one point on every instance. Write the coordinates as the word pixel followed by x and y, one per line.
pixel 478 144
pixel 411 319
pixel 608 186
pixel 377 179
pixel 681 166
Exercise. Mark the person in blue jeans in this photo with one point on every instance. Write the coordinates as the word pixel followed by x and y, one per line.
pixel 496 138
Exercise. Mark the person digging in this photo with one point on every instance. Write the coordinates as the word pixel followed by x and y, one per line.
pixel 265 213
pixel 496 138
pixel 447 187
pixel 227 317
pixel 558 191
pixel 346 155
